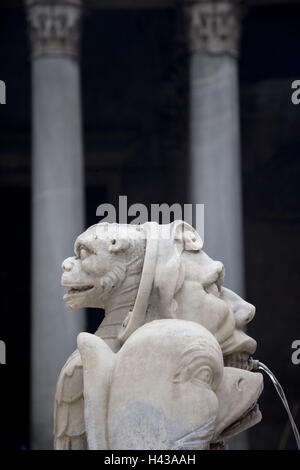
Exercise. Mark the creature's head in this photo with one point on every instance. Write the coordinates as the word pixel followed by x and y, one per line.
pixel 166 262
pixel 216 307
pixel 105 254
pixel 167 386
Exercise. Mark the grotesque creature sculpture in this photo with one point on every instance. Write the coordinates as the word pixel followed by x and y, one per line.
pixel 139 274
pixel 166 388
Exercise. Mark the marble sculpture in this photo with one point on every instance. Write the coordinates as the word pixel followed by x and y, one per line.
pixel 169 366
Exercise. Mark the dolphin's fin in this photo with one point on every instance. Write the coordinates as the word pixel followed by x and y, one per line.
pixel 98 362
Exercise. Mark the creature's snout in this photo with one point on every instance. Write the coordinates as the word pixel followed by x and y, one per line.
pixel 244 313
pixel 67 264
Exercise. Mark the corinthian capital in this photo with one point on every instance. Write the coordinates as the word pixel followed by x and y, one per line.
pixel 213 26
pixel 54 27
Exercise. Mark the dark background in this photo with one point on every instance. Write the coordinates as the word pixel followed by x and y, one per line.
pixel 134 128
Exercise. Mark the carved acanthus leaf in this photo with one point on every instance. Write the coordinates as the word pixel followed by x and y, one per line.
pixel 213 26
pixel 54 27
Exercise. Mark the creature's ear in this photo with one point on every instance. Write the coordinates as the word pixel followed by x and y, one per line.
pixel 98 363
pixel 186 235
pixel 118 244
pixel 170 271
pixel 163 270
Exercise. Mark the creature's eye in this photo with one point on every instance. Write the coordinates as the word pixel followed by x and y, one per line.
pixel 214 282
pixel 113 242
pixel 212 288
pixel 83 252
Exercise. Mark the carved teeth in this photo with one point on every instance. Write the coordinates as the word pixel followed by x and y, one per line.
pixel 74 290
pixel 238 360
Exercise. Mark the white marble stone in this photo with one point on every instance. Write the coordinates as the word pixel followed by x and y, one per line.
pixel 165 389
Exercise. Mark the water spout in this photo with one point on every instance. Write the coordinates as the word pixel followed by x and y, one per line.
pixel 279 389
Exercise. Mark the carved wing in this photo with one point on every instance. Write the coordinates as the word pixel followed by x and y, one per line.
pixel 69 426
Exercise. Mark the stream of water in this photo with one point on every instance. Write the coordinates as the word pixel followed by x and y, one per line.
pixel 280 392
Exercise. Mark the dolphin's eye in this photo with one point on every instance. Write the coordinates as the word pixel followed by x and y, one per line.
pixel 203 374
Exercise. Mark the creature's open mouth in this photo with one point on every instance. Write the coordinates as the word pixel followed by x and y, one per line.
pixel 248 419
pixel 78 290
pixel 238 360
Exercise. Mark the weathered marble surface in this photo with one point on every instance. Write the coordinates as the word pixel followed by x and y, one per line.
pixel 165 389
pixel 139 274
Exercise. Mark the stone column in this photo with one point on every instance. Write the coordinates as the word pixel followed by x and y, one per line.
pixel 57 196
pixel 212 28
